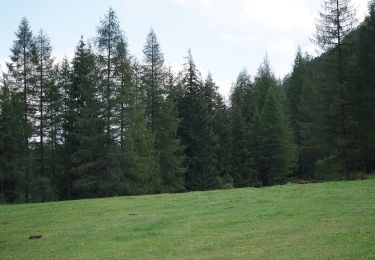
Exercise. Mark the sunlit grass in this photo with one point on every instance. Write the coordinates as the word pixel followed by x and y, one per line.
pixel 317 221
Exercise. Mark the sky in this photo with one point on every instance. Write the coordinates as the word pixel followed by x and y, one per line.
pixel 225 36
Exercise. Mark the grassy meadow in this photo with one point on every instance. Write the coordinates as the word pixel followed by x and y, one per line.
pixel 334 220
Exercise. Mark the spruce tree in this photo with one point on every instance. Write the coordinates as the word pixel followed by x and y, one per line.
pixel 221 129
pixel 86 132
pixel 11 145
pixel 197 132
pixel 141 165
pixel 276 152
pixel 364 95
pixel 293 85
pixel 168 145
pixel 242 134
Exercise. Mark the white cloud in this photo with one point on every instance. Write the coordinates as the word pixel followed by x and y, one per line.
pixel 68 53
pixel 240 38
pixel 281 52
pixel 281 15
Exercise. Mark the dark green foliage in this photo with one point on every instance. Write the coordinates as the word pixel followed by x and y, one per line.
pixel 86 138
pixel 162 115
pixel 168 145
pixel 197 131
pixel 337 22
pixel 140 162
pixel 12 150
pixel 364 96
pixel 104 124
pixel 21 70
pixel 293 87
pixel 242 134
pixel 275 154
pixel 275 151
pixel 153 79
pixel 46 115
pixel 108 39
pixel 63 180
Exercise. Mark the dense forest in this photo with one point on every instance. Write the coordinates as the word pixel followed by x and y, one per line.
pixel 107 124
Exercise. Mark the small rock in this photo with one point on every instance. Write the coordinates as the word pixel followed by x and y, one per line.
pixel 35 237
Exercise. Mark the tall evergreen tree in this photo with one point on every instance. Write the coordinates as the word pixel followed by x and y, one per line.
pixel 168 145
pixel 197 132
pixel 243 108
pixel 64 82
pixel 153 75
pixel 337 20
pixel 141 166
pixel 293 89
pixel 11 145
pixel 364 94
pixel 86 136
pixel 276 152
pixel 43 83
pixel 21 69
pixel 108 39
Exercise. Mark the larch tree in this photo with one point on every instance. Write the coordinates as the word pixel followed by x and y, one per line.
pixel 43 83
pixel 336 22
pixel 153 79
pixel 109 36
pixel 64 82
pixel 22 70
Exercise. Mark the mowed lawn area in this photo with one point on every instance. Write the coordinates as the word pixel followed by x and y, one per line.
pixel 316 221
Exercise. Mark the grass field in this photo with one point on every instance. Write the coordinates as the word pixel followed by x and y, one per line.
pixel 317 221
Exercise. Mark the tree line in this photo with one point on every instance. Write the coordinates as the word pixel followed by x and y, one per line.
pixel 106 124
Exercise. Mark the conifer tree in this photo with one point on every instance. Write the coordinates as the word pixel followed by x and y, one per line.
pixel 364 95
pixel 275 155
pixel 293 89
pixel 311 131
pixel 337 20
pixel 168 145
pixel 11 145
pixel 242 134
pixel 221 129
pixel 43 83
pixel 86 136
pixel 64 82
pixel 54 126
pixel 21 69
pixel 153 79
pixel 276 152
pixel 196 132
pixel 141 166
pixel 108 39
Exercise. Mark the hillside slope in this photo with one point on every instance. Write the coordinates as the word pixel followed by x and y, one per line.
pixel 329 220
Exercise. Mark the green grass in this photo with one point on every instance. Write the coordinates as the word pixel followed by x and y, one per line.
pixel 316 221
